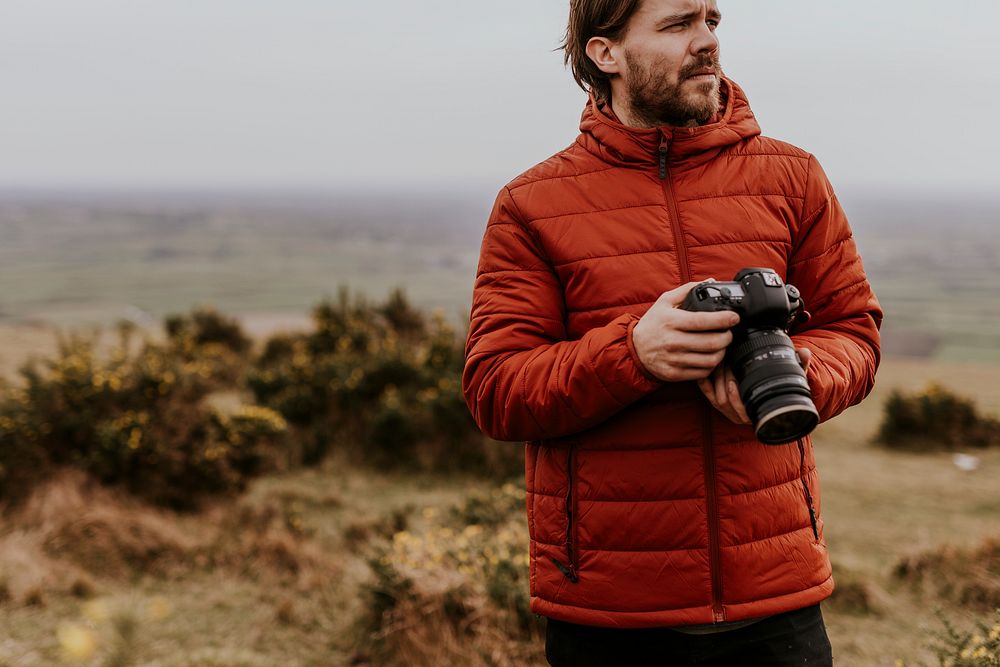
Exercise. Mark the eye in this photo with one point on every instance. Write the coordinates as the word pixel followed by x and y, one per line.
pixel 712 23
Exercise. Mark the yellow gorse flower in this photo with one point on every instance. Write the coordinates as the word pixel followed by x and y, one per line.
pixel 96 611
pixel 77 642
pixel 158 608
pixel 259 413
pixel 134 439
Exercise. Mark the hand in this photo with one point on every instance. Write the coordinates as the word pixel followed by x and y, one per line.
pixel 675 344
pixel 723 393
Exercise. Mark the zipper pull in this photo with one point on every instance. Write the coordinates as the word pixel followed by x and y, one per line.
pixel 663 159
pixel 568 572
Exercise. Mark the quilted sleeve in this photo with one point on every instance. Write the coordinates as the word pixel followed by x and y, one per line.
pixel 843 332
pixel 523 380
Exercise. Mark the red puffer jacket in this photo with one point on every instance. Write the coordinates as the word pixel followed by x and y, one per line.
pixel 647 507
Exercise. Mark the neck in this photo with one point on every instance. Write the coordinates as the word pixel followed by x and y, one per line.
pixel 628 117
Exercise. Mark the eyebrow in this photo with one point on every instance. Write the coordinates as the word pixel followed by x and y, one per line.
pixel 688 16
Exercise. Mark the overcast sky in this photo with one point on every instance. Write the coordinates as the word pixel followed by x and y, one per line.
pixel 403 94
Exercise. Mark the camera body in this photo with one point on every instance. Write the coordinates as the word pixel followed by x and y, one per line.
pixel 772 381
pixel 758 296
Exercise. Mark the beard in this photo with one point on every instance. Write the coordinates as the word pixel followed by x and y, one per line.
pixel 657 99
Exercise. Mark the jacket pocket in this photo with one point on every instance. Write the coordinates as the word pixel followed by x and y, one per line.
pixel 571 567
pixel 805 487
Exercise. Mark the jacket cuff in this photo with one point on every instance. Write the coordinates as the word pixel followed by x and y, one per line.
pixel 651 379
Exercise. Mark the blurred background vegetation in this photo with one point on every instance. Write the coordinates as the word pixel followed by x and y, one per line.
pixel 158 481
pixel 237 246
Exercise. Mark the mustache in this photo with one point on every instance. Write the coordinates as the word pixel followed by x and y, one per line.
pixel 711 61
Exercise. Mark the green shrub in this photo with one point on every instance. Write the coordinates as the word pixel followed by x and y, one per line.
pixel 491 508
pixel 22 461
pixel 381 383
pixel 206 326
pixel 460 573
pixel 215 342
pixel 935 419
pixel 482 543
pixel 136 419
pixel 401 316
pixel 969 649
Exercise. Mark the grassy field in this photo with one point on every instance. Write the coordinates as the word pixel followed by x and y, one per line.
pixel 881 505
pixel 96 261
pixel 277 577
pixel 77 260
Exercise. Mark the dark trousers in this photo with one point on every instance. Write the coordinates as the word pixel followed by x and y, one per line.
pixel 794 638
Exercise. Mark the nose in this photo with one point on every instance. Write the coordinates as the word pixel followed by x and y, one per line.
pixel 705 40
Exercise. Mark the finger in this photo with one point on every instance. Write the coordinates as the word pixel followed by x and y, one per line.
pixel 708 389
pixel 706 342
pixel 734 399
pixel 681 374
pixel 806 355
pixel 721 396
pixel 685 320
pixel 730 407
pixel 696 360
pixel 699 375
pixel 708 386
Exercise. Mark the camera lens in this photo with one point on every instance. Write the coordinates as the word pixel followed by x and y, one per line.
pixel 773 386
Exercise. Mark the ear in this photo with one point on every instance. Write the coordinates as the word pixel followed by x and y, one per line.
pixel 604 53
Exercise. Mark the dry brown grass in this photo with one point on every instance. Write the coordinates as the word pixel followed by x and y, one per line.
pixel 26 573
pixel 69 531
pixel 22 341
pixel 881 505
pixel 428 630
pixel 103 532
pixel 969 577
pixel 857 594
pixel 73 534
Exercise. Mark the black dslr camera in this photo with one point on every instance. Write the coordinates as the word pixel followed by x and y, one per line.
pixel 771 379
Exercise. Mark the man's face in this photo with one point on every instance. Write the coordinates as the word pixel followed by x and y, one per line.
pixel 671 57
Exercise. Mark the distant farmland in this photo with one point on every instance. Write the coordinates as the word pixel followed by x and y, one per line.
pixel 71 260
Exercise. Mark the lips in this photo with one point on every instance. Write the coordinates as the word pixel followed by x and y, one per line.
pixel 705 71
pixel 702 67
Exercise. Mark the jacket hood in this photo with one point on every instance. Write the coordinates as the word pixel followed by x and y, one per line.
pixel 605 136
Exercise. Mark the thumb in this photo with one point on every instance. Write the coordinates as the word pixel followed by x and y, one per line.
pixel 806 355
pixel 676 296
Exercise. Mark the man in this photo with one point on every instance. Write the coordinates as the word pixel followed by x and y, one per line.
pixel 662 531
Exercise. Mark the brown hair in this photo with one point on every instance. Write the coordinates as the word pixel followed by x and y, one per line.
pixel 594 18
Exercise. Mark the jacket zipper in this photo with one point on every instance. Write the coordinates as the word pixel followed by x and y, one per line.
pixel 570 571
pixel 805 487
pixel 675 221
pixel 715 552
